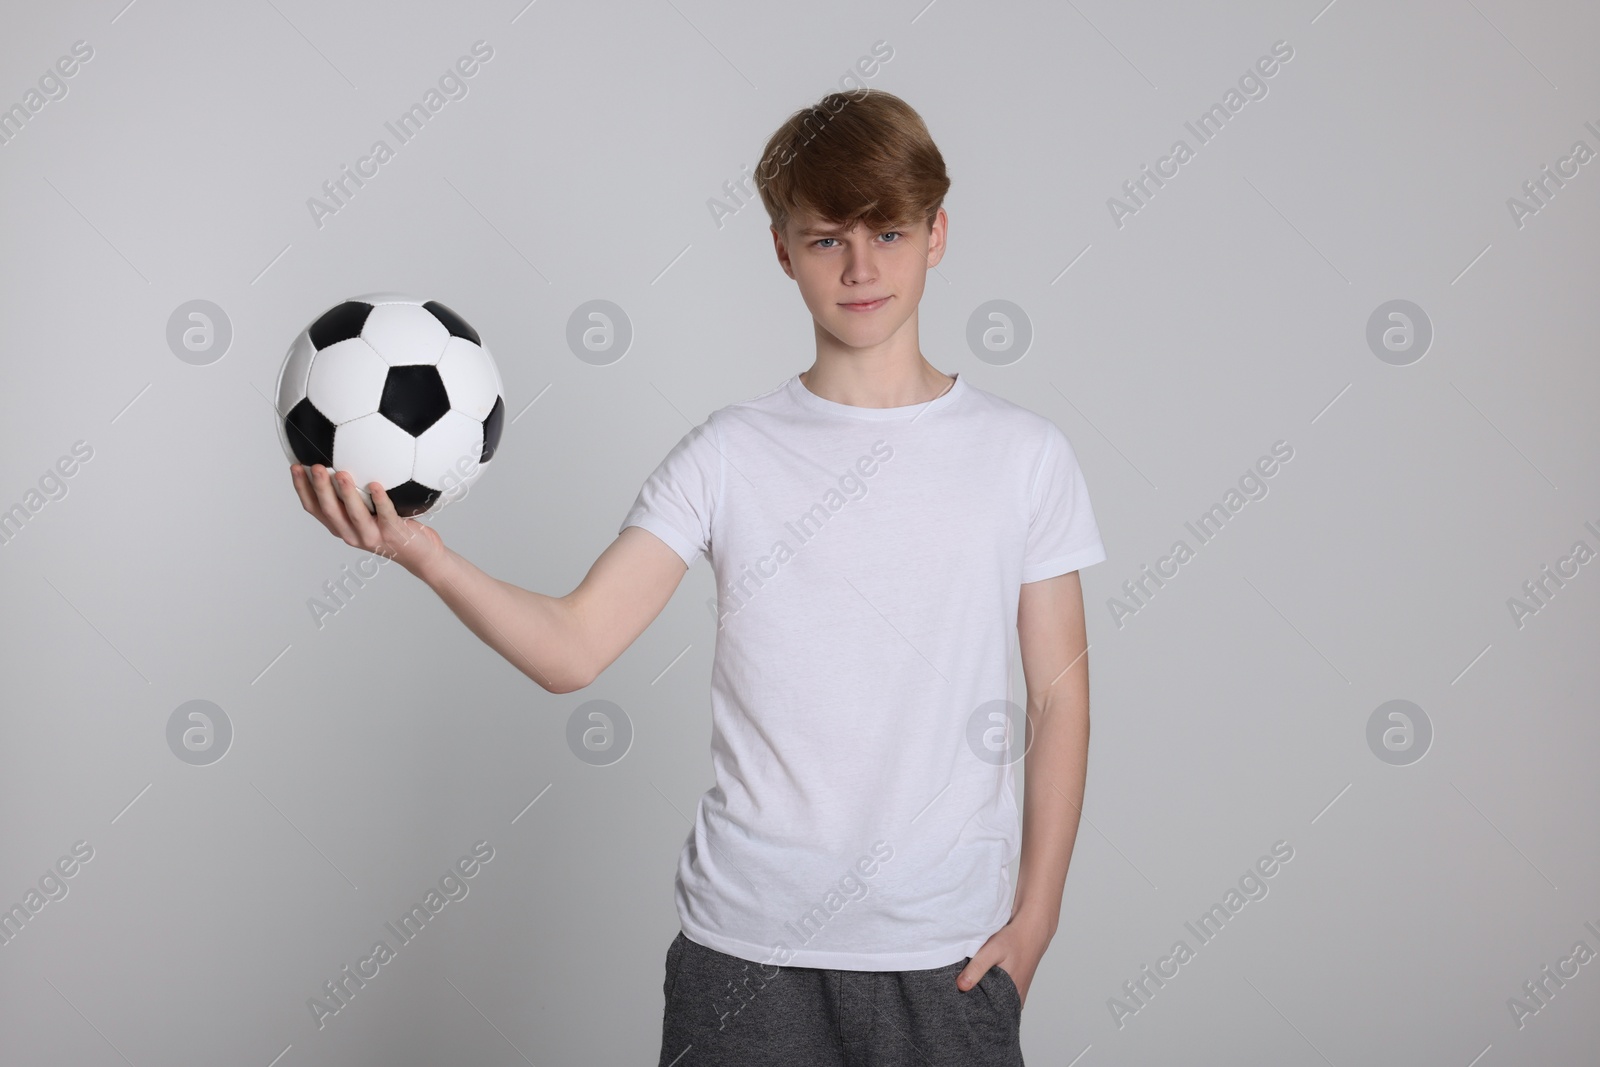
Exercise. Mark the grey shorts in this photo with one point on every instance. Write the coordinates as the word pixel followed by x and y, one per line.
pixel 723 1011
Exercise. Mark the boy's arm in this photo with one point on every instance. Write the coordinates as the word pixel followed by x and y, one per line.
pixel 563 643
pixel 1050 626
pixel 1055 666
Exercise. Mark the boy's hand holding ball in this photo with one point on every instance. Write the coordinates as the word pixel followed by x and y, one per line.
pixel 333 500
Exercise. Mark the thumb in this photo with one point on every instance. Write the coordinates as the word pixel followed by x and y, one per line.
pixel 975 969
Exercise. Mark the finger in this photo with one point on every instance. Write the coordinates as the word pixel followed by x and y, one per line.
pixel 389 520
pixel 388 517
pixel 382 505
pixel 333 511
pixel 971 973
pixel 308 497
pixel 302 487
pixel 356 511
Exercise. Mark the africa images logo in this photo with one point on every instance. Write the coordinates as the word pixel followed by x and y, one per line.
pixel 339 991
pixel 1212 121
pixel 753 577
pixel 340 189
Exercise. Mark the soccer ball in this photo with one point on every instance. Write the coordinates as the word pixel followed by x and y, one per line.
pixel 394 390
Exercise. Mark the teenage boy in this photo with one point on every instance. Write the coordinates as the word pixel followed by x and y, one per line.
pixel 876 527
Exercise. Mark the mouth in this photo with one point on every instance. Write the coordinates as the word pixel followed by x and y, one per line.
pixel 866 305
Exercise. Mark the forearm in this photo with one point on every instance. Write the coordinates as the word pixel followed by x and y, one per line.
pixel 1053 783
pixel 534 632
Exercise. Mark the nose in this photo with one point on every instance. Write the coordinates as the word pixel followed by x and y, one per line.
pixel 859 267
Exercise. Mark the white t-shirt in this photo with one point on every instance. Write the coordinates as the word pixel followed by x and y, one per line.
pixel 868 564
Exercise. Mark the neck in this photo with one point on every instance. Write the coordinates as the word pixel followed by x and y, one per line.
pixel 875 380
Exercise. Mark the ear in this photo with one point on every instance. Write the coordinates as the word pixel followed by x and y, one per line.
pixel 936 238
pixel 782 251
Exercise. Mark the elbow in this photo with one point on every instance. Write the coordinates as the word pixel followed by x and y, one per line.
pixel 562 684
pixel 565 665
pixel 574 667
pixel 569 678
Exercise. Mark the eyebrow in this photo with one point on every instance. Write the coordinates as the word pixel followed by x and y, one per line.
pixel 812 231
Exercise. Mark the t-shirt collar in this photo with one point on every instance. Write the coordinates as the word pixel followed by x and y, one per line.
pixel 811 401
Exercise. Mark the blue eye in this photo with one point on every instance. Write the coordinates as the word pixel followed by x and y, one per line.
pixel 889 233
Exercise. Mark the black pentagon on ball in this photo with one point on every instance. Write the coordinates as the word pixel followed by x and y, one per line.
pixel 412 498
pixel 339 324
pixel 491 429
pixel 414 397
pixel 454 323
pixel 310 434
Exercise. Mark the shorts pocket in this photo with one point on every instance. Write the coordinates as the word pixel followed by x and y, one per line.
pixel 1009 984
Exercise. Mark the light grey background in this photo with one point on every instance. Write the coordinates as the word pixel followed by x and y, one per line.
pixel 1227 314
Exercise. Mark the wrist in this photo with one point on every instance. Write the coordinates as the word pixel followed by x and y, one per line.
pixel 1040 921
pixel 433 570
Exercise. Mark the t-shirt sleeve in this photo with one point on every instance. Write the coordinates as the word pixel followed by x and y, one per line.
pixel 1062 533
pixel 677 499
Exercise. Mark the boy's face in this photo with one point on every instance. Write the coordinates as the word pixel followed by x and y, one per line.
pixel 860 286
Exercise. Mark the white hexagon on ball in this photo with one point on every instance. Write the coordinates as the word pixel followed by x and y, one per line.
pixel 346 380
pixel 470 377
pixel 404 334
pixel 373 449
pixel 448 454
